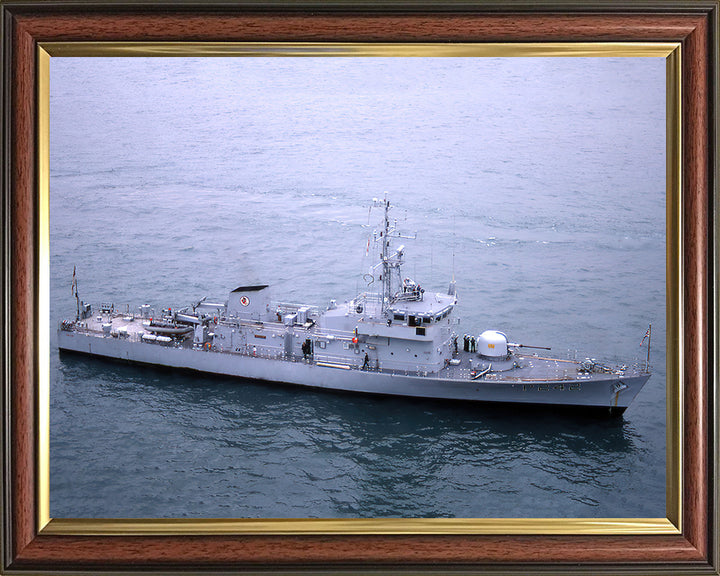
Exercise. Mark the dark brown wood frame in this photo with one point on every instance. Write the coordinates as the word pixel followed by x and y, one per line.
pixel 692 23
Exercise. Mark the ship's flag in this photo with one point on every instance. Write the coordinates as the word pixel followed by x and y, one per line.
pixel 647 335
pixel 73 288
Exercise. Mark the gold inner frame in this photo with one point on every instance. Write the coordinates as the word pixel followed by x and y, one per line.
pixel 674 300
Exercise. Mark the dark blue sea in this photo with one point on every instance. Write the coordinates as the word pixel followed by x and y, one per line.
pixel 538 183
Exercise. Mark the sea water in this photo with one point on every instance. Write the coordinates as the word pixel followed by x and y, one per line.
pixel 538 184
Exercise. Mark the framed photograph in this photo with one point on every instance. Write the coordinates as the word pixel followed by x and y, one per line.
pixel 551 170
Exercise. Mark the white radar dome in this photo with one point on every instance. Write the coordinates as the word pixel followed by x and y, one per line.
pixel 492 343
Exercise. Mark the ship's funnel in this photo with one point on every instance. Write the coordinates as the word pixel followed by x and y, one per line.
pixel 249 302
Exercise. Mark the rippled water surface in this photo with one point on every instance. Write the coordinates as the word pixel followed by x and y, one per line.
pixel 537 183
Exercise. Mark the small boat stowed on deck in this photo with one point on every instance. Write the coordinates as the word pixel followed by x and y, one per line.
pixel 400 340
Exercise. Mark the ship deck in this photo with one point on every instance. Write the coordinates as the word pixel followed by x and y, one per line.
pixel 133 325
pixel 529 367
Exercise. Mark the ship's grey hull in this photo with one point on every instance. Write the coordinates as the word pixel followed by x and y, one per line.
pixel 607 392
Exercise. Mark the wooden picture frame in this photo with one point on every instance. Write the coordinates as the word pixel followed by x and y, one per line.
pixel 30 546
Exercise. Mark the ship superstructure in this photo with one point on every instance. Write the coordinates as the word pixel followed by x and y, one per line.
pixel 399 339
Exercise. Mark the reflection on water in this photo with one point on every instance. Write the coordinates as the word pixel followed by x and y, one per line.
pixel 335 455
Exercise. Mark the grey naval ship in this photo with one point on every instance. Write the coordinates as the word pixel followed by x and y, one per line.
pixel 400 340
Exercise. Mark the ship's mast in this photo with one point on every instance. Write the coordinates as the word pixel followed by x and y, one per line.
pixel 391 260
pixel 74 288
pixel 386 279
